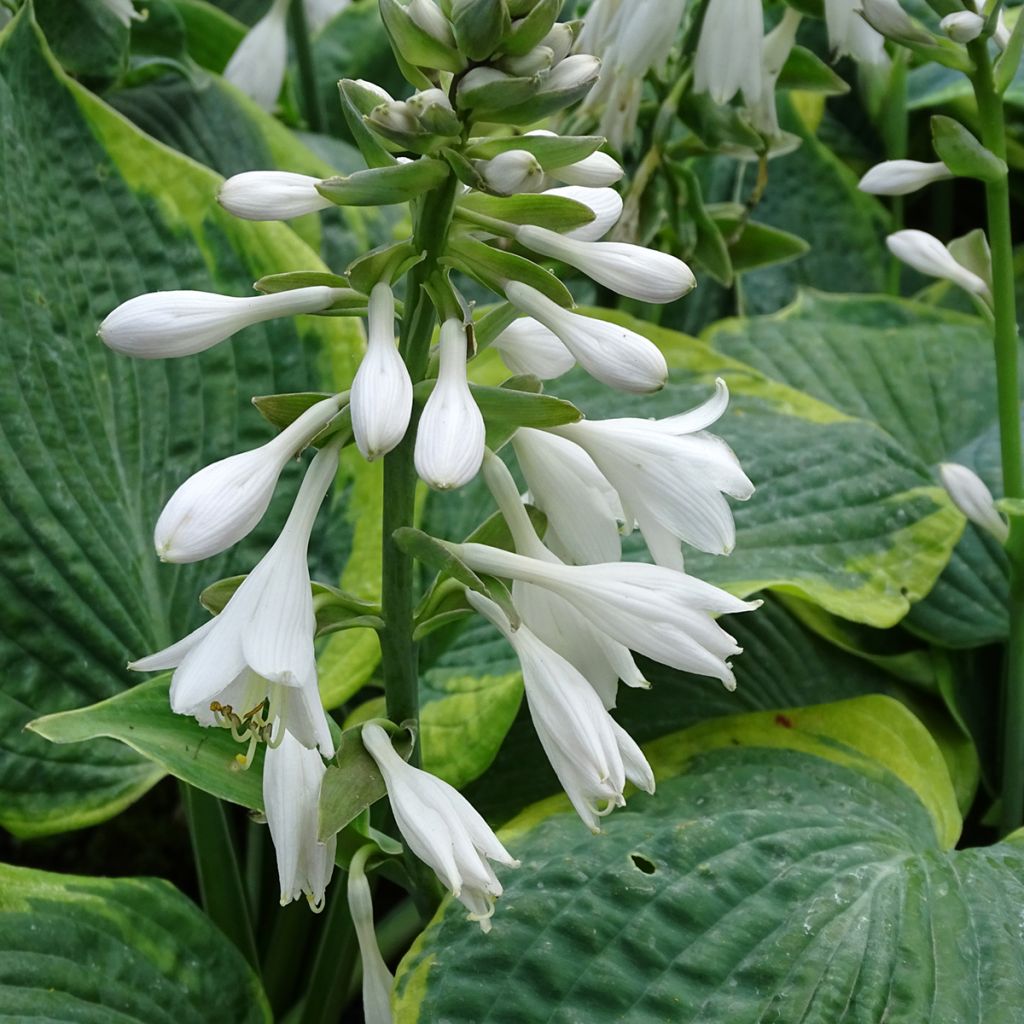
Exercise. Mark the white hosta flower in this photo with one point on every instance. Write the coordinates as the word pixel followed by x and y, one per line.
pixel 925 253
pixel 670 475
pixel 382 390
pixel 258 64
pixel 271 195
pixel 162 325
pixel 378 981
pixel 614 355
pixel 974 499
pixel 594 171
pixel 728 58
pixel 600 660
pixel 778 44
pixel 591 755
pixel 292 775
pixel 512 172
pixel 261 644
pixel 582 508
pixel 850 35
pixel 320 12
pixel 527 346
pixel 962 26
pixel 661 613
pixel 441 828
pixel 222 503
pixel 450 434
pixel 605 202
pixel 630 270
pixel 901 177
pixel 123 10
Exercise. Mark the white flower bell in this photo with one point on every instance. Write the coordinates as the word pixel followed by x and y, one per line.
pixel 441 828
pixel 728 58
pixel 271 195
pixel 612 354
pixel 162 325
pixel 591 755
pixel 381 398
pixel 222 503
pixel 292 775
pixel 378 981
pixel 258 65
pixel 450 434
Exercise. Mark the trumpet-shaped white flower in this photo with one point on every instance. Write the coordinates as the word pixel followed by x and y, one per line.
pixel 258 64
pixel 962 26
pixel 630 270
pixel 218 506
pixel 599 659
pixel 606 204
pixel 441 828
pixel 925 253
pixel 850 35
pixel 292 775
pixel 594 171
pixel 162 325
pixel 512 172
pixel 661 613
pixel 974 499
pixel 378 981
pixel 901 177
pixel 728 58
pixel 271 195
pixel 591 755
pixel 261 644
pixel 450 435
pixel 612 354
pixel 582 508
pixel 382 390
pixel 527 346
pixel 670 475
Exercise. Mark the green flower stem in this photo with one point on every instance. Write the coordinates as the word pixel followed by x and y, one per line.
pixel 220 880
pixel 894 131
pixel 997 196
pixel 312 108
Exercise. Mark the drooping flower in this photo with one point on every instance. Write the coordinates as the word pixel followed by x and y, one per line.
pixel 612 354
pixel 260 647
pixel 661 613
pixel 382 390
pixel 630 270
pixel 728 58
pixel 450 434
pixel 850 35
pixel 271 195
pixel 606 204
pixel 292 775
pixel 378 981
pixel 441 828
pixel 162 325
pixel 527 346
pixel 258 64
pixel 928 255
pixel 974 499
pixel 591 755
pixel 222 503
pixel 778 44
pixel 583 510
pixel 901 177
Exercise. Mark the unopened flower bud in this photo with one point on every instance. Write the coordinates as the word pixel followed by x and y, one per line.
pixel 559 40
pixel 428 16
pixel 963 26
pixel 973 498
pixel 271 195
pixel 925 253
pixel 901 177
pixel 511 172
pixel 450 435
pixel 540 58
pixel 527 346
pixel 606 204
pixel 573 73
pixel 594 171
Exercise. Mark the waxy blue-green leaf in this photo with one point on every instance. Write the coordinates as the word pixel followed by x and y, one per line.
pixel 124 950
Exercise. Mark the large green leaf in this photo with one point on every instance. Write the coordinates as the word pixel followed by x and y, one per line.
pixel 116 951
pixel 93 443
pixel 778 874
pixel 927 377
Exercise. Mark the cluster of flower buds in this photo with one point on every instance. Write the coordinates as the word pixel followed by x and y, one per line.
pixel 492 207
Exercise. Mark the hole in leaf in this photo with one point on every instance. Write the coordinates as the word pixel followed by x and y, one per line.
pixel 646 866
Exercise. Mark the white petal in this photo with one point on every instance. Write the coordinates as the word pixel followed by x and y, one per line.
pixel 378 981
pixel 528 347
pixel 901 177
pixel 171 657
pixel 258 64
pixel 271 195
pixel 974 499
pixel 595 171
pixel 605 202
pixel 928 255
pixel 728 58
